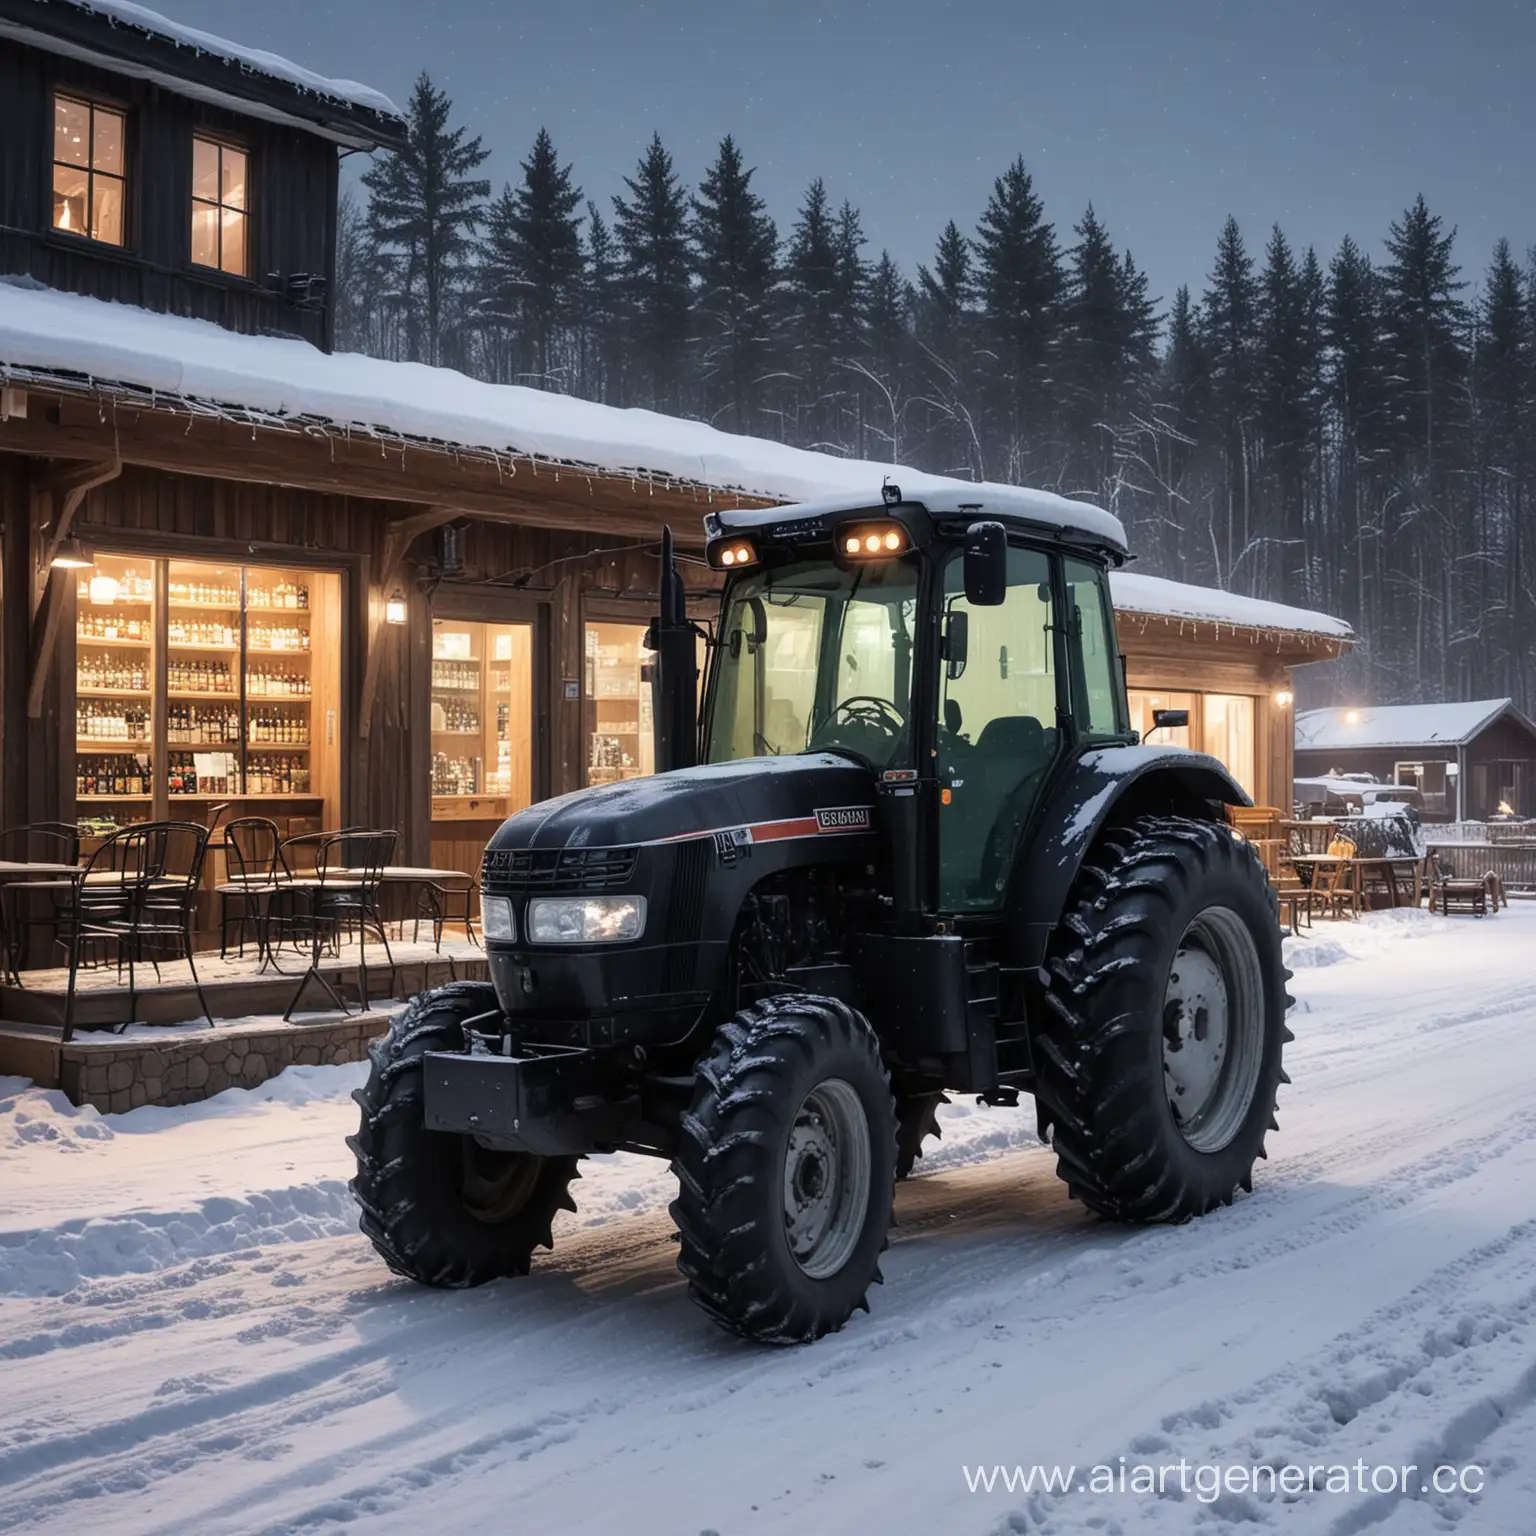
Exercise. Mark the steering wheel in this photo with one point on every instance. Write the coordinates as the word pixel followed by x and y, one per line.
pixel 863 712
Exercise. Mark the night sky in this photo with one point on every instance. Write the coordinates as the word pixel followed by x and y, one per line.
pixel 1167 116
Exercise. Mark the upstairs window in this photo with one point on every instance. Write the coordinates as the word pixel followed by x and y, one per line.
pixel 89 169
pixel 220 207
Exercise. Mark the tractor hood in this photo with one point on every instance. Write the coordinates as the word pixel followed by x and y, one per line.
pixel 810 795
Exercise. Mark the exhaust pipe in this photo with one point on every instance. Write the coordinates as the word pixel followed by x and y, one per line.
pixel 675 672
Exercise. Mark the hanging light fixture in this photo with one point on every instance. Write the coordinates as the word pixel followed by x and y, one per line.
pixel 71 556
pixel 394 608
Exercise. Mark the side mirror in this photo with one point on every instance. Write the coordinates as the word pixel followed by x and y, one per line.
pixel 1168 719
pixel 957 643
pixel 986 565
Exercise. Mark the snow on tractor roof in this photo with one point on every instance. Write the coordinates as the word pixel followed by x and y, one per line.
pixel 254 61
pixel 1398 725
pixel 941 495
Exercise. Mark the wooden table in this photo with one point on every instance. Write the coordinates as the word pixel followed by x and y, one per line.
pixel 1391 864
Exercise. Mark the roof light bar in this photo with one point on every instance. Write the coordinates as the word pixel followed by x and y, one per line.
pixel 872 541
pixel 732 554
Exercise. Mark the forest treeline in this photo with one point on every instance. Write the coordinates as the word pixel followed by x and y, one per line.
pixel 1337 431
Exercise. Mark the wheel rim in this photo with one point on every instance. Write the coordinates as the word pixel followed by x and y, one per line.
pixel 826 1178
pixel 1213 1029
pixel 493 1186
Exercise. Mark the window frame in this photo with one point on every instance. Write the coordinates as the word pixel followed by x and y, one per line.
pixel 1082 714
pixel 93 103
pixel 222 143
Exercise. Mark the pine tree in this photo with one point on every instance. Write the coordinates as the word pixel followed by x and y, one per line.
pixel 735 254
pixel 945 325
pixel 886 362
pixel 602 314
pixel 651 227
pixel 1504 379
pixel 1288 388
pixel 533 261
pixel 1020 283
pixel 811 316
pixel 1227 320
pixel 423 210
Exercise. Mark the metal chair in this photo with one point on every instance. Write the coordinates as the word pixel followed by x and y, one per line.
pixel 133 897
pixel 254 872
pixel 43 842
pixel 342 894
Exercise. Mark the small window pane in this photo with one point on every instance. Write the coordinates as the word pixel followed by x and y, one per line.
pixel 234 242
pixel 232 186
pixel 107 141
pixel 69 199
pixel 107 209
pixel 205 234
pixel 1095 647
pixel 205 170
pixel 71 130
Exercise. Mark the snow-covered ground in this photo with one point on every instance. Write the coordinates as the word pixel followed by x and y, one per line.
pixel 194 1338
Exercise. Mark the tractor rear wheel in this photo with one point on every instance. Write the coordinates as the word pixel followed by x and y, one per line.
pixel 440 1208
pixel 786 1169
pixel 1158 1051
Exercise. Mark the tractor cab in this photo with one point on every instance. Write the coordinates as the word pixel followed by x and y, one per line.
pixel 959 646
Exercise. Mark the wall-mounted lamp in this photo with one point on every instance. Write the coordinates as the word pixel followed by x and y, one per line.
pixel 394 608
pixel 104 590
pixel 71 556
pixel 1284 699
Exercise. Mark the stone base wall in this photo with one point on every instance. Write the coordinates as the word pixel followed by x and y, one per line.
pixel 197 1065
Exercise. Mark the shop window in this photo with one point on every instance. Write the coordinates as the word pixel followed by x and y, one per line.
pixel 620 743
pixel 89 169
pixel 1144 702
pixel 1228 734
pixel 482 719
pixel 242 707
pixel 220 207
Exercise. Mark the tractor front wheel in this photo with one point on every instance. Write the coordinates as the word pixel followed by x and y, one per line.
pixel 786 1167
pixel 441 1208
pixel 1157 1055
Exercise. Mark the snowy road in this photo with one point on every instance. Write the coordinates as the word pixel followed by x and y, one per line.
pixel 193 1337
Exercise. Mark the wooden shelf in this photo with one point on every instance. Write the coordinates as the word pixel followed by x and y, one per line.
pixel 136 645
pixel 94 798
pixel 198 645
pixel 182 605
pixel 227 697
pixel 278 650
pixel 475 734
pixel 279 747
pixel 112 693
pixel 232 795
pixel 110 744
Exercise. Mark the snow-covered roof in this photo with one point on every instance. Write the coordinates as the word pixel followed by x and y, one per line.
pixel 51 337
pixel 63 338
pixel 254 61
pixel 1161 598
pixel 941 496
pixel 1397 725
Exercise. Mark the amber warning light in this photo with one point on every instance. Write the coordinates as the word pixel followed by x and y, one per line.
pixel 731 554
pixel 873 541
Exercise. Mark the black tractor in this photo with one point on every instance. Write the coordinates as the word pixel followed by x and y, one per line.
pixel 911 846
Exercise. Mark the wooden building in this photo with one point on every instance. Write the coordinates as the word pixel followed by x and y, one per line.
pixel 1470 761
pixel 241 570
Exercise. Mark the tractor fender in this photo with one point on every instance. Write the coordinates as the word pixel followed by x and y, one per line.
pixel 1101 785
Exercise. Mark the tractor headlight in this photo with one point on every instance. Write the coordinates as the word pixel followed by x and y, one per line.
pixel 585 919
pixel 496 919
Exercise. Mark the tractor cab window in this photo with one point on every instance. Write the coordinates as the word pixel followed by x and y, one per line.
pixel 813 658
pixel 1098 706
pixel 997 734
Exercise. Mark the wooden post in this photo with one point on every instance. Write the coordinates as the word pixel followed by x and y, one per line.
pixel 61 494
pixel 399 535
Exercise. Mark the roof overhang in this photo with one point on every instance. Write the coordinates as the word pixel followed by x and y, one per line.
pixel 80 35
